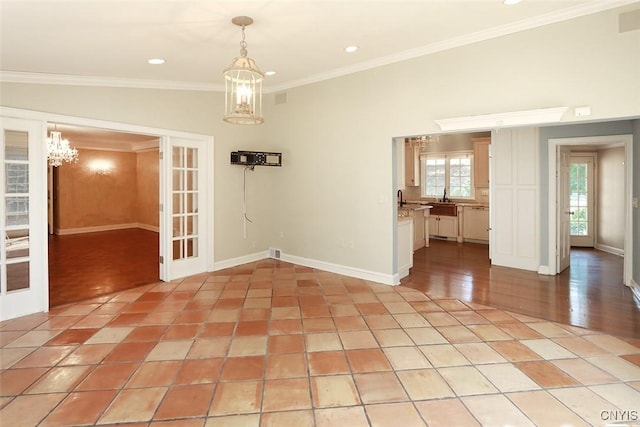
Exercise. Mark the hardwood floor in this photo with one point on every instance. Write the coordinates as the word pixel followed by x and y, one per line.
pixel 589 294
pixel 83 266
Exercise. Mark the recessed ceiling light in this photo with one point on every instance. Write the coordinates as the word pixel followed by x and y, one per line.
pixel 269 73
pixel 156 61
pixel 350 49
pixel 510 2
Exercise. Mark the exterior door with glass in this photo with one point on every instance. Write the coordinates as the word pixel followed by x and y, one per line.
pixel 184 218
pixel 581 200
pixel 23 256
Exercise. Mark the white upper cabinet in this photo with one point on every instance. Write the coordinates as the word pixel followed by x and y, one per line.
pixel 411 165
pixel 481 161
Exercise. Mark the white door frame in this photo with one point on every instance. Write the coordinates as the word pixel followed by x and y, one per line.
pixel 45 117
pixel 627 141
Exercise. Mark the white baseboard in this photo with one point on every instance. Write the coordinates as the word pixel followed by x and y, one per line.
pixel 110 227
pixel 81 230
pixel 609 249
pixel 544 269
pixel 149 227
pixel 635 288
pixel 245 259
pixel 515 262
pixel 399 276
pixel 358 273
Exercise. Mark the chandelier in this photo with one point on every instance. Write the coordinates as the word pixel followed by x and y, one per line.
pixel 59 150
pixel 243 85
pixel 424 140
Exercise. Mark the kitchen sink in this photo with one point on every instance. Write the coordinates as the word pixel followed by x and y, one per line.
pixel 447 209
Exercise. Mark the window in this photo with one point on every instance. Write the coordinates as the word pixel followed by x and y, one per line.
pixel 453 171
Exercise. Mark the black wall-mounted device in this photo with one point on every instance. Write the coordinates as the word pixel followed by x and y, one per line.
pixel 256 158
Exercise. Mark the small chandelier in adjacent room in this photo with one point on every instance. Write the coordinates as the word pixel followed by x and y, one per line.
pixel 59 150
pixel 243 85
pixel 424 140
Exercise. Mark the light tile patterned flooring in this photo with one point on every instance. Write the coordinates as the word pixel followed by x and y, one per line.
pixel 273 344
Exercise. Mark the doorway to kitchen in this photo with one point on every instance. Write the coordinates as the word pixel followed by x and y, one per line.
pixel 449 174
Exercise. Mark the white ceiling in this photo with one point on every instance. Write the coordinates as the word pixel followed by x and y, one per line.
pixel 107 42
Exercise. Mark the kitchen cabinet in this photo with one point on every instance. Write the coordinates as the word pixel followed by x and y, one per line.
pixel 418 230
pixel 443 226
pixel 404 251
pixel 411 164
pixel 398 146
pixel 481 161
pixel 475 223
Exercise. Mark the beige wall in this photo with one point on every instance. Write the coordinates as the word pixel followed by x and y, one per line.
pixel 90 197
pixel 339 174
pixel 333 199
pixel 147 186
pixel 610 193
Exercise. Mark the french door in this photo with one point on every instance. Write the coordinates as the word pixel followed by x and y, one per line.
pixel 184 247
pixel 23 280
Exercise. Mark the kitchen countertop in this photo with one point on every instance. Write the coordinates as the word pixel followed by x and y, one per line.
pixel 474 205
pixel 415 206
pixel 471 204
pixel 420 208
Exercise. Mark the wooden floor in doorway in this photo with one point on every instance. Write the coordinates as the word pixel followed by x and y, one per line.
pixel 589 294
pixel 87 265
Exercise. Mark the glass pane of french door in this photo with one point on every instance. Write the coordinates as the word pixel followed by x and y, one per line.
pixel 579 200
pixel 23 281
pixel 16 210
pixel 185 202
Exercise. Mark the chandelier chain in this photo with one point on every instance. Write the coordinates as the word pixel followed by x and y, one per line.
pixel 243 45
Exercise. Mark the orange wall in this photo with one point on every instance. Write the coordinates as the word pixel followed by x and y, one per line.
pixel 88 196
pixel 148 188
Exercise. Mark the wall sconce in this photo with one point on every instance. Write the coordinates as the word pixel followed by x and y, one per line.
pixel 101 167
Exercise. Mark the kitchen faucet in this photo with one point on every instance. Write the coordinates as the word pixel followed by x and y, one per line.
pixel 402 202
pixel 444 197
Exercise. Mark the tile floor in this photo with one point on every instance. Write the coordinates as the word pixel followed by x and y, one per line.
pixel 274 344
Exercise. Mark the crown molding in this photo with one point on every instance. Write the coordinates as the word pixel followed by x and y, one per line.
pixel 71 80
pixel 468 39
pixel 527 24
pixel 110 145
